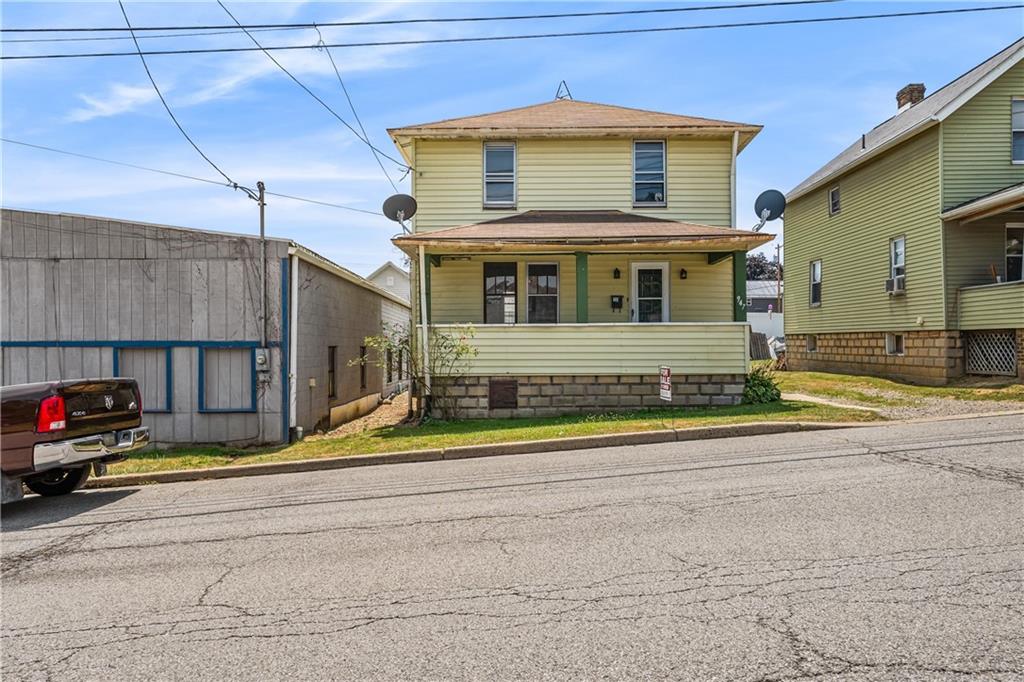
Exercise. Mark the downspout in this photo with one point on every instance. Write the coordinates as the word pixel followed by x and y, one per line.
pixel 293 340
pixel 424 333
pixel 732 175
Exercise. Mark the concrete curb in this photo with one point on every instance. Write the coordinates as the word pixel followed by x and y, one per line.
pixel 469 451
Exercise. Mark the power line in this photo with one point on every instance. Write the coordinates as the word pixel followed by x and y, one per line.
pixel 176 174
pixel 426 20
pixel 533 36
pixel 140 37
pixel 312 94
pixel 170 113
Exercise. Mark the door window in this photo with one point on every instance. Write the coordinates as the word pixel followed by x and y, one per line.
pixel 650 294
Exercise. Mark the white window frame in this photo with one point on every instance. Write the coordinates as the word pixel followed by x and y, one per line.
pixel 891 345
pixel 666 287
pixel 557 295
pixel 1006 256
pixel 811 344
pixel 839 200
pixel 892 260
pixel 500 177
pixel 811 282
pixel 1013 130
pixel 664 176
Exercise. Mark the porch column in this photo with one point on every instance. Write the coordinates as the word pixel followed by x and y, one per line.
pixel 739 286
pixel 424 332
pixel 582 300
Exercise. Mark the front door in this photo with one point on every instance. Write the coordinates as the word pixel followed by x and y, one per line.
pixel 650 292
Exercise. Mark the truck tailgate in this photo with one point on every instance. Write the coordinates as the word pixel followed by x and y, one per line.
pixel 94 406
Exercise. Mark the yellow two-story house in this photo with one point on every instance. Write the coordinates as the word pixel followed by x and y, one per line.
pixel 588 245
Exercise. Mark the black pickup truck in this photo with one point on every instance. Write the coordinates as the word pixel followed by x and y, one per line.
pixel 53 433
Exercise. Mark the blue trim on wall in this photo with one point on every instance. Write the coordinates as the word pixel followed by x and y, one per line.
pixel 116 343
pixel 168 378
pixel 201 382
pixel 286 401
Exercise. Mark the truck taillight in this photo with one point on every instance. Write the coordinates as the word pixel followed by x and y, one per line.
pixel 138 398
pixel 51 415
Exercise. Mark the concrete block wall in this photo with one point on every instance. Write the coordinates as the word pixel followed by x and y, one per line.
pixel 545 396
pixel 930 357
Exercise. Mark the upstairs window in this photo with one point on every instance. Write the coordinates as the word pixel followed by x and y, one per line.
pixel 833 200
pixel 499 293
pixel 1014 253
pixel 815 283
pixel 1017 128
pixel 542 293
pixel 649 173
pixel 499 174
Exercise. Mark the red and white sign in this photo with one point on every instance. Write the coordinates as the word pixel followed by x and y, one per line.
pixel 665 382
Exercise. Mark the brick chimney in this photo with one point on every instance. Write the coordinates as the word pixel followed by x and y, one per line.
pixel 909 94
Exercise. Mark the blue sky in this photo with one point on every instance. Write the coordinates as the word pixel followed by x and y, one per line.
pixel 815 89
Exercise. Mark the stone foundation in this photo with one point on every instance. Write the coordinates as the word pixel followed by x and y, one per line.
pixel 544 396
pixel 930 357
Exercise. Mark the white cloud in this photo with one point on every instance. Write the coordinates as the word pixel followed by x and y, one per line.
pixel 119 98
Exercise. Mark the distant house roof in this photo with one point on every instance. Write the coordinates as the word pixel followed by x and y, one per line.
pixel 762 288
pixel 572 118
pixel 536 230
pixel 914 119
pixel 387 264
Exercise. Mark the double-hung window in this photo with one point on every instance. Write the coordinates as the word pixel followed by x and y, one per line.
pixel 499 293
pixel 815 283
pixel 542 293
pixel 649 173
pixel 1014 253
pixel 1017 128
pixel 898 263
pixel 833 201
pixel 500 174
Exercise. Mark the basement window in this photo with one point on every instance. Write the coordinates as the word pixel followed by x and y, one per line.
pixel 894 344
pixel 812 343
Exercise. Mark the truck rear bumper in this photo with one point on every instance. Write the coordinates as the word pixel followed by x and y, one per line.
pixel 88 448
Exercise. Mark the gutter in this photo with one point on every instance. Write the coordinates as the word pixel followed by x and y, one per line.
pixel 986 206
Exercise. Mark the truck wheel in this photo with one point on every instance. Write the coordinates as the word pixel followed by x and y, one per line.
pixel 58 481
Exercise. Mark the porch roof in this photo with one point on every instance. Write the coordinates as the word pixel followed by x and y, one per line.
pixel 572 230
pixel 1007 199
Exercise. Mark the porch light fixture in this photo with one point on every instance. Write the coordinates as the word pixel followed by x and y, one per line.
pixel 616 274
pixel 682 273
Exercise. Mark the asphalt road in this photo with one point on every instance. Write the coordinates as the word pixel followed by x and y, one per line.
pixel 890 552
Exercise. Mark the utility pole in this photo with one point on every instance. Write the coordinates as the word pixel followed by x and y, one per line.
pixel 263 262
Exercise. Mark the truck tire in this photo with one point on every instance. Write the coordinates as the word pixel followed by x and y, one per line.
pixel 58 481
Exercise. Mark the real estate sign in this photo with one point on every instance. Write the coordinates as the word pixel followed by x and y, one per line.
pixel 665 382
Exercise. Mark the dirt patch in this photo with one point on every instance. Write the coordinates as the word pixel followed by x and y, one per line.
pixel 386 414
pixel 948 407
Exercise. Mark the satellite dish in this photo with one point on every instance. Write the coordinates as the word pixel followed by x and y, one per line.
pixel 399 207
pixel 772 201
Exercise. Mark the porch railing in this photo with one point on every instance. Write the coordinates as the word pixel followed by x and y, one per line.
pixel 992 306
pixel 612 348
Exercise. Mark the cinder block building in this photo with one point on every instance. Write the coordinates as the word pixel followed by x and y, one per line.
pixel 222 354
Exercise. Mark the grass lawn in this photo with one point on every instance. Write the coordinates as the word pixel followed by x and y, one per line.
pixel 480 431
pixel 886 392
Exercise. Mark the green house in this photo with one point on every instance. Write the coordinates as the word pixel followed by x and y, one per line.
pixel 904 252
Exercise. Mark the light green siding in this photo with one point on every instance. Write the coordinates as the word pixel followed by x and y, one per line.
pixel 609 349
pixel 976 153
pixel 456 288
pixel 996 306
pixel 573 174
pixel 972 251
pixel 896 194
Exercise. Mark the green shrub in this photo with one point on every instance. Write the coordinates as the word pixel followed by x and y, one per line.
pixel 761 386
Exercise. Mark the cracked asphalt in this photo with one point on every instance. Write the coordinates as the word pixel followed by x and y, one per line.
pixel 893 552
